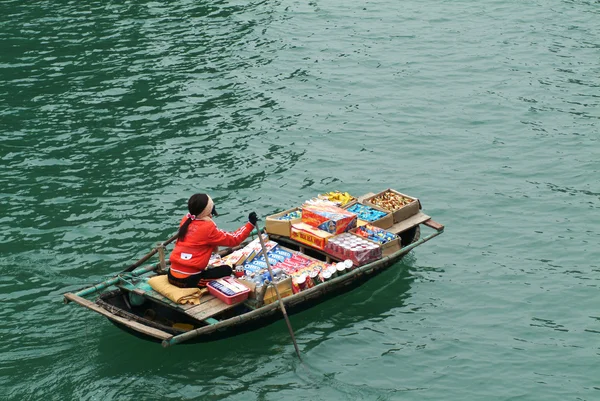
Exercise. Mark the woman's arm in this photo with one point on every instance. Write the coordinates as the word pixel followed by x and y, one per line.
pixel 224 238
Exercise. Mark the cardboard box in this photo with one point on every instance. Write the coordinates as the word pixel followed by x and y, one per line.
pixel 400 214
pixel 385 222
pixel 285 290
pixel 332 219
pixel 280 227
pixel 360 223
pixel 309 235
pixel 389 247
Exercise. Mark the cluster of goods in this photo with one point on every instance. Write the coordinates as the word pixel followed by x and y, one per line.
pixel 304 272
pixel 337 224
pixel 291 271
pixel 366 213
pixel 334 223
pixel 390 200
pixel 375 234
pixel 352 247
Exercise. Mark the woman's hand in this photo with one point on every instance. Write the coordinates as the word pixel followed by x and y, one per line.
pixel 252 218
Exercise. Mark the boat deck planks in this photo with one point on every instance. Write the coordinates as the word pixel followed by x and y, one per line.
pixel 409 223
pixel 209 309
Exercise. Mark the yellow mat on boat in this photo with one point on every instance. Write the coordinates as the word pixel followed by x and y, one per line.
pixel 178 295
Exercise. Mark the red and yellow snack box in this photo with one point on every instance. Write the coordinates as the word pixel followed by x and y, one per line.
pixel 309 235
pixel 332 219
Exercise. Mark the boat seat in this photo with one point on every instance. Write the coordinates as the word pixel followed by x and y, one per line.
pixel 209 305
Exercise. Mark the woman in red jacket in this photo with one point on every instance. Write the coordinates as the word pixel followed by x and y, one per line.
pixel 197 239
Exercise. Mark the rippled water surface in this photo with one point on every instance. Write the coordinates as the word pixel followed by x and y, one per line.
pixel 113 113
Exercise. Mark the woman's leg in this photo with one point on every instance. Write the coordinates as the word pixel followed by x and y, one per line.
pixel 201 279
pixel 213 274
pixel 188 282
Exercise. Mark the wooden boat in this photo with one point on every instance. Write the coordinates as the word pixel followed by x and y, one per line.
pixel 132 305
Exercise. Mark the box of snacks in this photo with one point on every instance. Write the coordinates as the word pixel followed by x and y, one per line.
pixel 309 235
pixel 388 241
pixel 368 214
pixel 281 223
pixel 401 206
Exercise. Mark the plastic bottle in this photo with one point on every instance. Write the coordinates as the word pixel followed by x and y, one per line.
pixel 277 272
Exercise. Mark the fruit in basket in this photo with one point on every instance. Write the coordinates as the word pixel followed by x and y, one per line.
pixel 341 198
pixel 391 200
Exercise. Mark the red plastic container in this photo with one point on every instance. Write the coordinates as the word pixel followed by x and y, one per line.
pixel 215 286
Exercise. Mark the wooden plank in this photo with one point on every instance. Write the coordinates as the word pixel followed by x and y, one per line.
pixel 434 224
pixel 210 320
pixel 150 331
pixel 409 223
pixel 209 309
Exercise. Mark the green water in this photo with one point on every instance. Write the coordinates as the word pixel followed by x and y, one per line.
pixel 113 113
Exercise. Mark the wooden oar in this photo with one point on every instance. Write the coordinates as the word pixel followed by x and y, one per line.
pixel 149 255
pixel 281 306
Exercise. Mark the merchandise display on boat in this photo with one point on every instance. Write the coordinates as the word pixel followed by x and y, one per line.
pixel 292 271
pixel 323 223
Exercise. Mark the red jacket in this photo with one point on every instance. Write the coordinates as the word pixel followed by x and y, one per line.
pixel 191 255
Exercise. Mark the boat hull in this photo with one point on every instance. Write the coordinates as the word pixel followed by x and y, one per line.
pixel 266 315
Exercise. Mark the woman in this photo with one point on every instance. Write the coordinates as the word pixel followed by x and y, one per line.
pixel 198 237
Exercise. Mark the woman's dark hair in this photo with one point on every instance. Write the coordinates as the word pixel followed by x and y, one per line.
pixel 196 205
